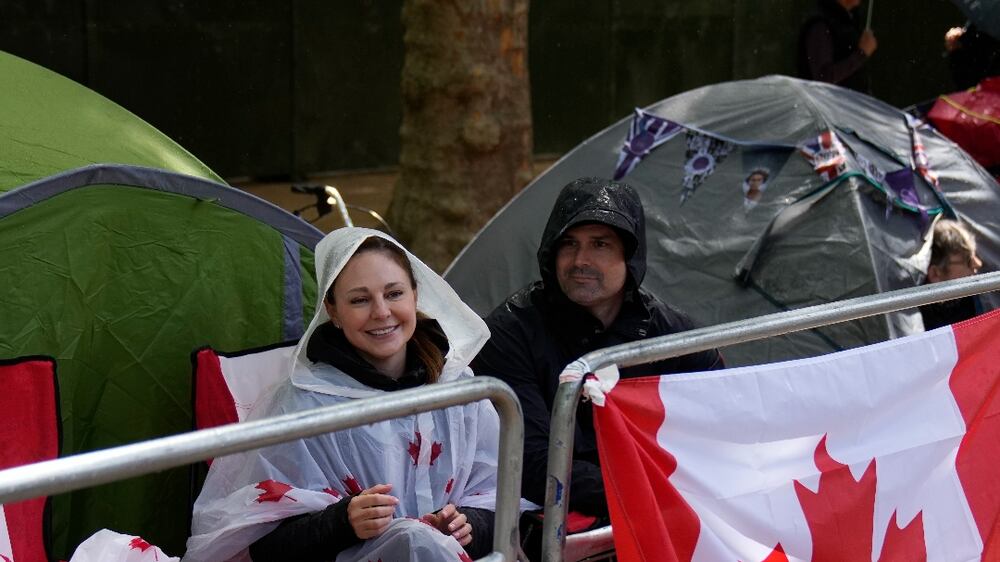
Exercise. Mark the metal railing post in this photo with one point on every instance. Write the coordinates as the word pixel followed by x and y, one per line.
pixel 562 426
pixel 560 466
pixel 511 458
pixel 99 467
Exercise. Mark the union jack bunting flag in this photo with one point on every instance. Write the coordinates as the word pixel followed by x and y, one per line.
pixel 921 163
pixel 646 133
pixel 826 154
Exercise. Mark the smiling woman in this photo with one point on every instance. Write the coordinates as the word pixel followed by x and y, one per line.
pixel 374 303
pixel 417 488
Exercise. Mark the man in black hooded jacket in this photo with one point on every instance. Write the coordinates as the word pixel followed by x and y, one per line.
pixel 592 260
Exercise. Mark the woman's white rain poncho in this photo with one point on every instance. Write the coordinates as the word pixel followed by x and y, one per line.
pixel 431 459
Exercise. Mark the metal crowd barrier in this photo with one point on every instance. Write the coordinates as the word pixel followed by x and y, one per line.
pixel 99 467
pixel 655 349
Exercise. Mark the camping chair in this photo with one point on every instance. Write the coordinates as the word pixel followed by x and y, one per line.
pixel 227 385
pixel 588 546
pixel 584 541
pixel 30 433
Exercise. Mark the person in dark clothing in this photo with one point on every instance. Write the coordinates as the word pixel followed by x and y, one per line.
pixel 953 256
pixel 972 55
pixel 833 48
pixel 418 488
pixel 592 259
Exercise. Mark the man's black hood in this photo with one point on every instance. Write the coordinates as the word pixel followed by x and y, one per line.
pixel 601 201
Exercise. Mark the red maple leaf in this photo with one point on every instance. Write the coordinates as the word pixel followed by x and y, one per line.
pixel 414 449
pixel 272 491
pixel 841 517
pixel 139 544
pixel 448 486
pixel 777 555
pixel 352 485
pixel 905 544
pixel 332 492
pixel 436 448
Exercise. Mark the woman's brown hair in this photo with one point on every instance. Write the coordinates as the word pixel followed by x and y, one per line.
pixel 427 351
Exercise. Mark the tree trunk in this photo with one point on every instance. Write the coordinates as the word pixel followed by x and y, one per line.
pixel 466 131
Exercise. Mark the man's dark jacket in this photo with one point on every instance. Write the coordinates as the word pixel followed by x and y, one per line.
pixel 538 331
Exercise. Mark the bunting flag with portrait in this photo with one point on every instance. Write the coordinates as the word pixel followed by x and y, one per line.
pixel 703 154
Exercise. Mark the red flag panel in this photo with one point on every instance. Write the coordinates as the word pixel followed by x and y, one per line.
pixel 975 382
pixel 636 470
pixel 30 433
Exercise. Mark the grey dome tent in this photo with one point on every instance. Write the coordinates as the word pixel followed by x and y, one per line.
pixel 761 195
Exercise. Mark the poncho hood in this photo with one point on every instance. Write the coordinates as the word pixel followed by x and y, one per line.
pixel 465 330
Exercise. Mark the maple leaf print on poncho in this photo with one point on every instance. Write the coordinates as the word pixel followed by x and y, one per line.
pixel 414 449
pixel 272 491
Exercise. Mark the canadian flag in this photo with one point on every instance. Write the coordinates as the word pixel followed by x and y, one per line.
pixel 888 452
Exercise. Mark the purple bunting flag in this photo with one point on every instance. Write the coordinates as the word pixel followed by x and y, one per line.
pixel 901 182
pixel 646 133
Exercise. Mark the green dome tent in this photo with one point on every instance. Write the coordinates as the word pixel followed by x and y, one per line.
pixel 760 196
pixel 122 254
pixel 51 124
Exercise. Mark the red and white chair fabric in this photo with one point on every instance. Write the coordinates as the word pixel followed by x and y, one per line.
pixel 586 544
pixel 227 385
pixel 585 540
pixel 29 434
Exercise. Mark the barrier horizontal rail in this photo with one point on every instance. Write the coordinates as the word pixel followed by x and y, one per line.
pixel 561 433
pixel 100 467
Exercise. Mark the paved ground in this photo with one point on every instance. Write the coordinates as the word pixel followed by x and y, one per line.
pixel 371 189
